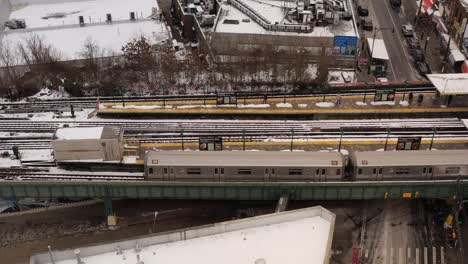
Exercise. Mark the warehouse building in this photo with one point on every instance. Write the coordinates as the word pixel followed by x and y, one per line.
pixel 299 237
pixel 88 143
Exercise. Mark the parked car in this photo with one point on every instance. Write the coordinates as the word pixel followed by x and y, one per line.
pixel 423 68
pixel 15 24
pixel 367 24
pixel 382 80
pixel 413 43
pixel 363 10
pixel 417 54
pixel 408 30
pixel 346 77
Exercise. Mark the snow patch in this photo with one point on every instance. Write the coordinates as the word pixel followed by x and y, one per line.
pixel 325 104
pixel 360 103
pixel 404 103
pixel 46 93
pixel 140 106
pixel 285 105
pixel 383 103
pixel 253 106
pixel 302 105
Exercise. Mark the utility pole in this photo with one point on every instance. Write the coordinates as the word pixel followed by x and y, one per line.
pixel 182 138
pixel 447 52
pixel 292 138
pixel 386 140
pixel 416 19
pixel 243 139
pixel 341 137
pixel 434 131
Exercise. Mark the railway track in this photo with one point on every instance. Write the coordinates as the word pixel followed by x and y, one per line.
pixel 23 175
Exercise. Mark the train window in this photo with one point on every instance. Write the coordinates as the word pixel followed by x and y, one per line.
pixel 400 171
pixel 150 170
pixel 216 170
pixel 338 171
pixel 172 170
pixel 430 170
pixel 222 170
pixel 244 171
pixel 424 170
pixel 317 172
pixel 380 170
pixel 359 171
pixel 374 171
pixel 324 171
pixel 266 171
pixel 295 171
pixel 272 171
pixel 452 170
pixel 165 170
pixel 193 171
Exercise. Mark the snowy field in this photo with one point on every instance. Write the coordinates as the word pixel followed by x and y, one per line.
pixel 299 241
pixel 110 38
pixel 44 13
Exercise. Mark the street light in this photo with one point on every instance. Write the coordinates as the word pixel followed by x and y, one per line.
pixel 154 220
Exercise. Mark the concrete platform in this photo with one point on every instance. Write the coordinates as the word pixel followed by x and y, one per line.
pixel 329 107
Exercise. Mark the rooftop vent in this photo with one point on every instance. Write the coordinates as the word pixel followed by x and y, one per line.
pixel 231 21
pixel 246 20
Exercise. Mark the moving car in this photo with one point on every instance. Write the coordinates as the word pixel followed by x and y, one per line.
pixel 423 68
pixel 15 24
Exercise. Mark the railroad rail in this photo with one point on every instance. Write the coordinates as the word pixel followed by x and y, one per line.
pixel 95 176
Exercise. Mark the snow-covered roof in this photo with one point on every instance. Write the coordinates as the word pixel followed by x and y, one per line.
pixel 378 49
pixel 50 13
pixel 299 237
pixel 68 133
pixel 272 11
pixel 451 83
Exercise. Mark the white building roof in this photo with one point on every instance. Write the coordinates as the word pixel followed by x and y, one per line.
pixel 68 133
pixel 378 49
pixel 452 83
pixel 299 237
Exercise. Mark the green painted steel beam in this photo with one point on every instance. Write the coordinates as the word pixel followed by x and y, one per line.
pixel 233 191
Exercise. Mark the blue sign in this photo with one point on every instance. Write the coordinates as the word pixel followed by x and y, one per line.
pixel 345 45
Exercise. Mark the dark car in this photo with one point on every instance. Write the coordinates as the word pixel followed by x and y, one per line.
pixel 413 43
pixel 367 24
pixel 408 30
pixel 417 54
pixel 395 3
pixel 363 10
pixel 423 68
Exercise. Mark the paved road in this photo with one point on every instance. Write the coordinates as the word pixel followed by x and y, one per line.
pixel 401 67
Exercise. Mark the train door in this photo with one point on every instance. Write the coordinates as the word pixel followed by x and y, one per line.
pixel 171 174
pixel 219 174
pixel 427 173
pixel 165 174
pixel 266 175
pixel 377 174
pixel 320 174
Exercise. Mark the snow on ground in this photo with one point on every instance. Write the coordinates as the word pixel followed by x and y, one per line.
pixel 21 135
pixel 404 103
pixel 130 159
pixel 110 38
pixel 284 105
pixel 253 105
pixel 80 115
pixel 383 103
pixel 302 105
pixel 46 93
pixel 69 133
pixel 361 103
pixel 36 154
pixel 9 162
pixel 58 13
pixel 325 104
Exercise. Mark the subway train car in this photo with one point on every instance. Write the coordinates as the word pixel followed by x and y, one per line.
pixel 238 166
pixel 408 165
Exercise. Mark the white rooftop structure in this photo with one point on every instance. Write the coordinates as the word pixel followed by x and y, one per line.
pixel 450 83
pixel 378 49
pixel 70 133
pixel 301 237
pixel 47 13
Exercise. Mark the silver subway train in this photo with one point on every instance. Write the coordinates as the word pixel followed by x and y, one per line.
pixel 277 166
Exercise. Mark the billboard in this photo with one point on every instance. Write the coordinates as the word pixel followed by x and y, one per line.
pixel 408 143
pixel 345 45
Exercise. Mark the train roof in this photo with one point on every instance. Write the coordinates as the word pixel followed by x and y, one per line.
pixel 244 158
pixel 410 158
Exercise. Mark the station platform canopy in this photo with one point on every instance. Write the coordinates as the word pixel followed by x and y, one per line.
pixel 450 84
pixel 377 48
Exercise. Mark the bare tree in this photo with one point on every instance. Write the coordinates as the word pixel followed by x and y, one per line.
pixel 9 58
pixel 139 53
pixel 35 51
pixel 322 68
pixel 90 53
